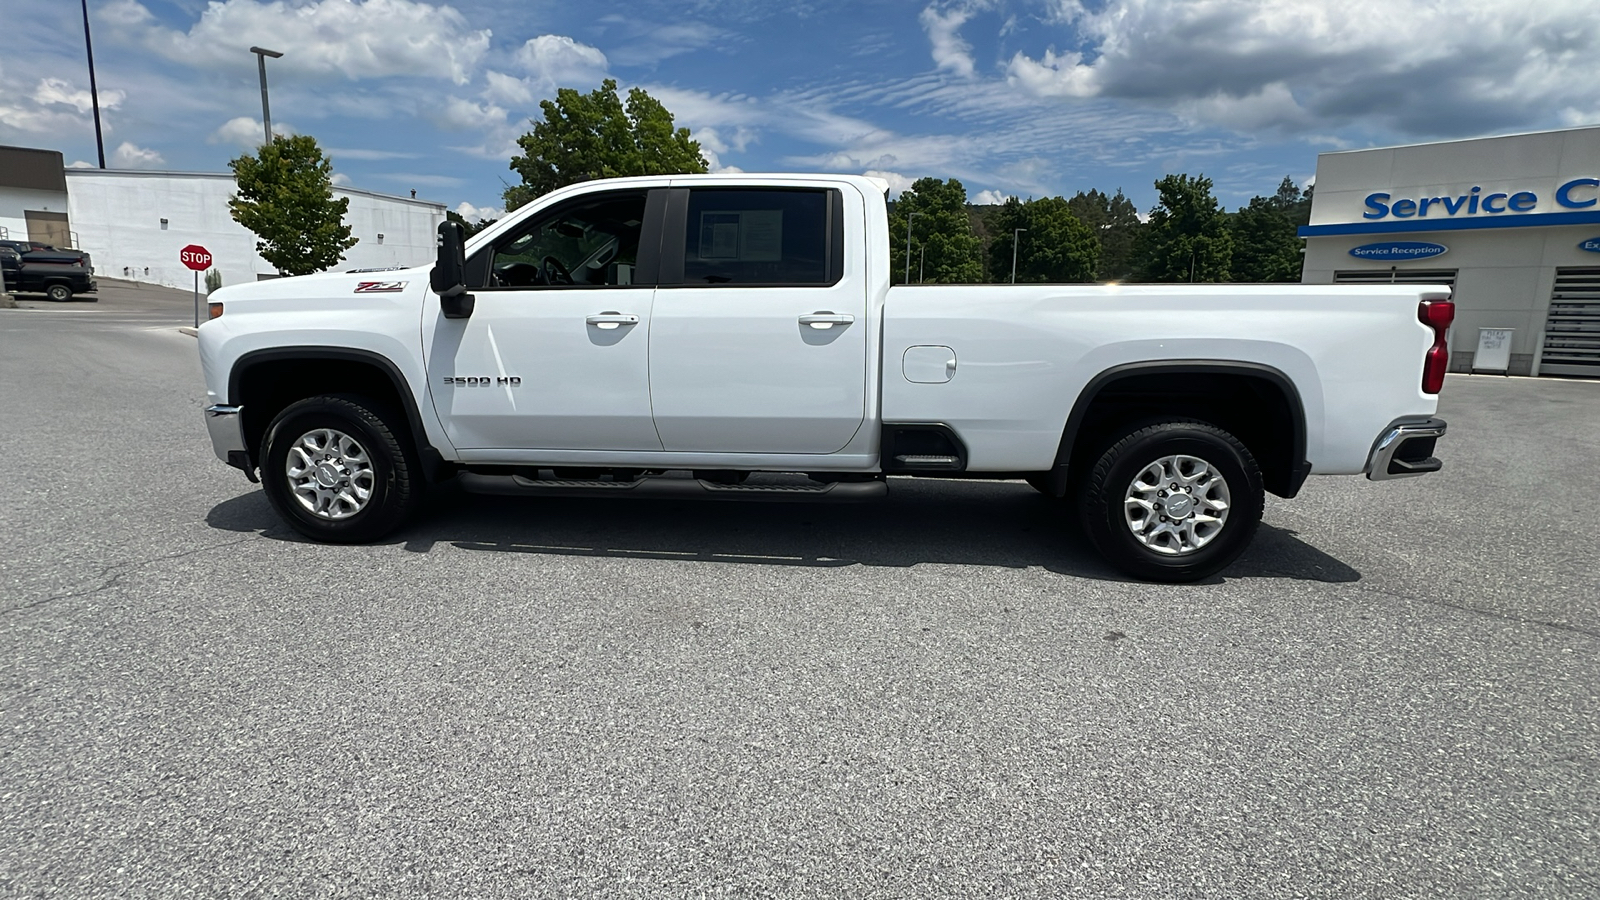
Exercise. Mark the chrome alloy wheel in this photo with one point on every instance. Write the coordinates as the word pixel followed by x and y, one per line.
pixel 330 474
pixel 1176 505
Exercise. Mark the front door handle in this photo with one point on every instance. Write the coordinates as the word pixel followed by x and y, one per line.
pixel 824 319
pixel 609 319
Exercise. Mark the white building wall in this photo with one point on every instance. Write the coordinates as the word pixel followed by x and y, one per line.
pixel 118 215
pixel 14 200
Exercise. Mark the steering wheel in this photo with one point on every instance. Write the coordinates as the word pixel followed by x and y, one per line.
pixel 554 272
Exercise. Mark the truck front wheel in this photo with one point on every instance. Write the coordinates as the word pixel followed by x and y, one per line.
pixel 1175 502
pixel 336 471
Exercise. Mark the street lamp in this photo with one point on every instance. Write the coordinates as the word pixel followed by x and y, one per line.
pixel 922 264
pixel 909 217
pixel 261 65
pixel 1016 236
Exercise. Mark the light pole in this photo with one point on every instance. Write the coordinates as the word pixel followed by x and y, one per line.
pixel 922 263
pixel 909 217
pixel 1016 236
pixel 261 65
pixel 94 90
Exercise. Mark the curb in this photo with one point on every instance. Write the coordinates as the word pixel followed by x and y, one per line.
pixel 189 330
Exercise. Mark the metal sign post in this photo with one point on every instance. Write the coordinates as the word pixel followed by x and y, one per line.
pixel 197 299
pixel 197 258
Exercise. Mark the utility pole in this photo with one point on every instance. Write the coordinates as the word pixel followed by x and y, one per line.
pixel 94 90
pixel 261 64
pixel 909 217
pixel 1016 236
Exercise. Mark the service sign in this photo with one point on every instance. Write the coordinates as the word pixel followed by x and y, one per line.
pixel 1398 250
pixel 1592 245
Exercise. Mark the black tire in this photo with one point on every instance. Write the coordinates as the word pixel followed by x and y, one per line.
pixel 60 293
pixel 395 473
pixel 1108 483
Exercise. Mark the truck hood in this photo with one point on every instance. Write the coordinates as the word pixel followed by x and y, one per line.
pixel 329 285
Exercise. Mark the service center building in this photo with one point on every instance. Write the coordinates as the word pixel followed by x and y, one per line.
pixel 1512 223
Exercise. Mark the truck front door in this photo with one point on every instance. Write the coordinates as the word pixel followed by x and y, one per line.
pixel 555 353
pixel 758 337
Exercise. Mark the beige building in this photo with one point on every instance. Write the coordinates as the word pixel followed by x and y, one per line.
pixel 1513 223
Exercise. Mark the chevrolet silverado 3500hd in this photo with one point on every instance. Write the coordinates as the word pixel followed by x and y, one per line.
pixel 672 335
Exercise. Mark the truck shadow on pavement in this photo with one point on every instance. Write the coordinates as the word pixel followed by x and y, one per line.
pixel 923 522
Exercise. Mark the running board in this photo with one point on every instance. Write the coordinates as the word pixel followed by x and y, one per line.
pixel 675 489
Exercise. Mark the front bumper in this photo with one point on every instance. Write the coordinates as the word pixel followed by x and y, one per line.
pixel 226 428
pixel 1405 449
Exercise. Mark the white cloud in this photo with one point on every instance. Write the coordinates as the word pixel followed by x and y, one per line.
pixel 131 156
pixel 339 179
pixel 246 132
pixel 458 114
pixel 990 198
pixel 897 183
pixel 475 213
pixel 58 91
pixel 944 36
pixel 357 153
pixel 321 39
pixel 559 61
pixel 1409 66
pixel 645 43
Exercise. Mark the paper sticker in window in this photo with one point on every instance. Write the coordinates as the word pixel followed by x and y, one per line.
pixel 747 235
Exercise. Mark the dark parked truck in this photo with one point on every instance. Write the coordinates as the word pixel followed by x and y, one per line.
pixel 40 269
pixel 736 337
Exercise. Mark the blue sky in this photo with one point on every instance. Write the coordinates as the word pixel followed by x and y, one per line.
pixel 1024 97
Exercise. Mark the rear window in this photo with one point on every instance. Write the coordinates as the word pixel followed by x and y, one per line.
pixel 742 236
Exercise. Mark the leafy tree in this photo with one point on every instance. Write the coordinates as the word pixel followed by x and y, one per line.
pixel 594 135
pixel 1187 237
pixel 468 229
pixel 952 254
pixel 1056 248
pixel 1116 221
pixel 1266 243
pixel 286 198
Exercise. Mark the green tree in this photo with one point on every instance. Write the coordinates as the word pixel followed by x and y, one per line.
pixel 286 198
pixel 1116 221
pixel 1187 237
pixel 1056 248
pixel 1266 242
pixel 594 135
pixel 943 248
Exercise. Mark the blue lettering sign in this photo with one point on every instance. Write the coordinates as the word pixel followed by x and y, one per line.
pixel 1592 245
pixel 1375 202
pixel 1564 193
pixel 1390 250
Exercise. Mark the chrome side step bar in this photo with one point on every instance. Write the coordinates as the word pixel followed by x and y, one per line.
pixel 667 488
pixel 1405 450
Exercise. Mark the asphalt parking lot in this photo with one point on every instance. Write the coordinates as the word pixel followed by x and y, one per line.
pixel 1395 693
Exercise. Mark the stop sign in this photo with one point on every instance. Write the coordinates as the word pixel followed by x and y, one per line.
pixel 195 257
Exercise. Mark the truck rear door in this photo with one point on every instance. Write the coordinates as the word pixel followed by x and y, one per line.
pixel 758 337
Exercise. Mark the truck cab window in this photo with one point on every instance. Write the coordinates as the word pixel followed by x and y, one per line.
pixel 591 243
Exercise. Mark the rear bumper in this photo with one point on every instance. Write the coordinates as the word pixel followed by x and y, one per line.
pixel 1405 449
pixel 226 428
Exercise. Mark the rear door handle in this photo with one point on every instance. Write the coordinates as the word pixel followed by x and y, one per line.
pixel 608 320
pixel 824 319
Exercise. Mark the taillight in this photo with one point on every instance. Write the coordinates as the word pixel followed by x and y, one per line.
pixel 1436 314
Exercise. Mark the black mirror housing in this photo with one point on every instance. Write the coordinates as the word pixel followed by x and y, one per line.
pixel 450 272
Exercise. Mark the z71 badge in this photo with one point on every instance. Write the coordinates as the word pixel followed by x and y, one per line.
pixel 484 381
pixel 380 287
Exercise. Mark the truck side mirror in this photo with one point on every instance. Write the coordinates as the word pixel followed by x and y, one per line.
pixel 450 273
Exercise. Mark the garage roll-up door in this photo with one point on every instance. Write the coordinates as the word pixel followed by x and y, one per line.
pixel 1572 331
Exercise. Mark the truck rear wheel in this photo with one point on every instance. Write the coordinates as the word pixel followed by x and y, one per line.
pixel 1173 502
pixel 335 470
pixel 58 292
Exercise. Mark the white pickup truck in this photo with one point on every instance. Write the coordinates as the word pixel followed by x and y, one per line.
pixel 737 337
